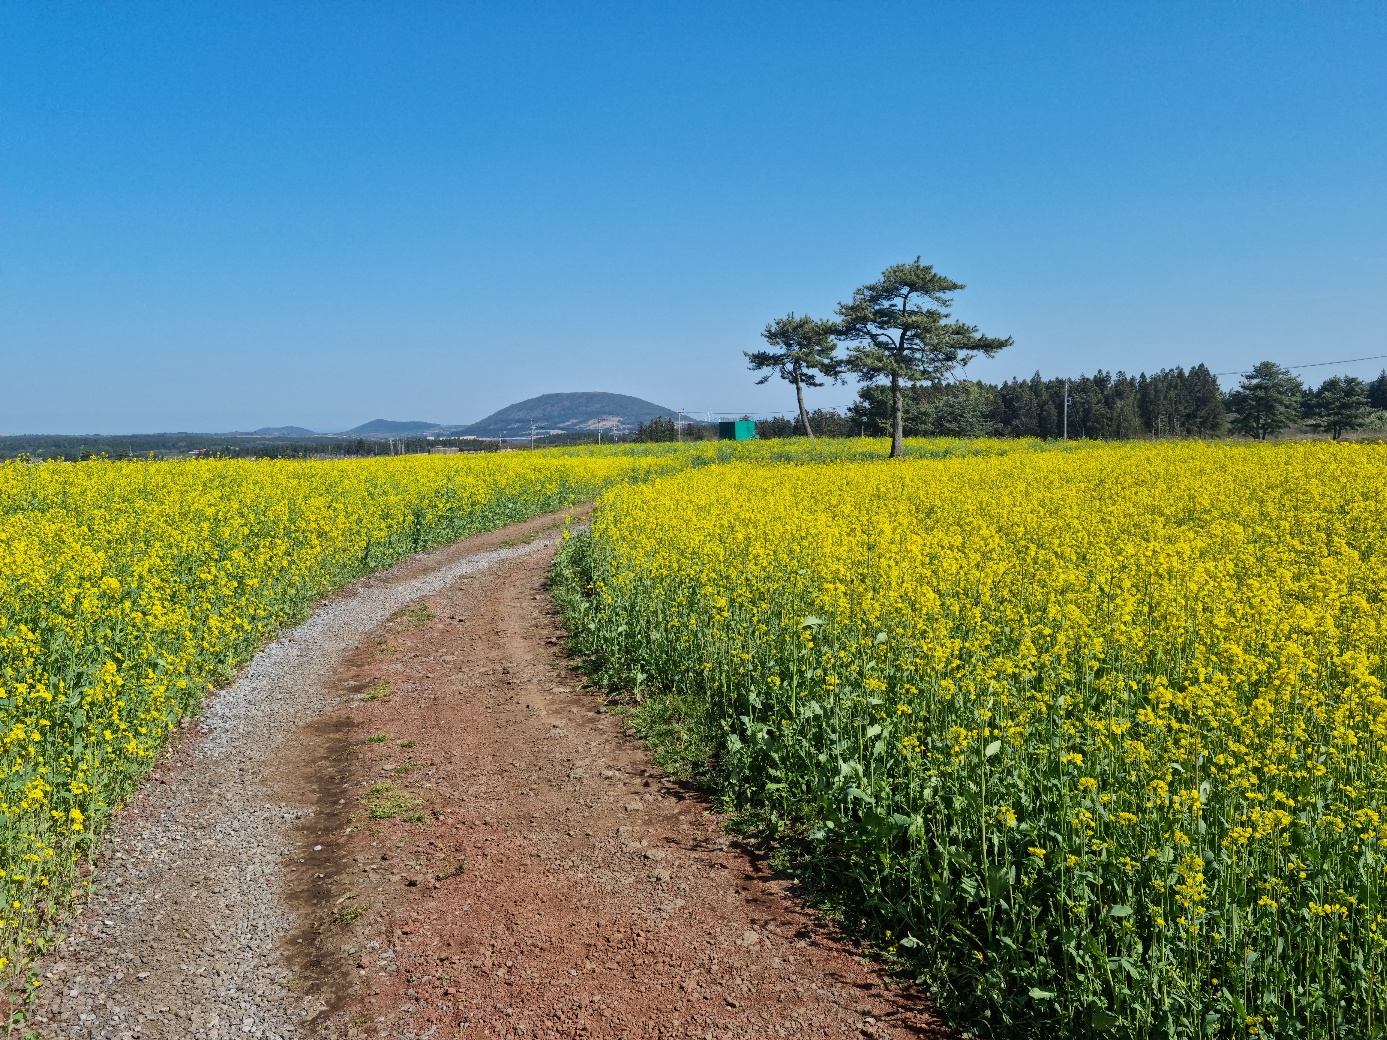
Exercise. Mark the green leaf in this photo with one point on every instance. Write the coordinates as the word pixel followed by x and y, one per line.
pixel 1126 965
pixel 1103 1020
pixel 1120 911
pixel 992 749
pixel 812 622
pixel 1041 994
pixel 999 881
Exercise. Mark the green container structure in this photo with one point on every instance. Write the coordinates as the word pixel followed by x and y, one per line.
pixel 741 430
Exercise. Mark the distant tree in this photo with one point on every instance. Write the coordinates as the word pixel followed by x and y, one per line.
pixel 1266 401
pixel 1176 403
pixel 802 349
pixel 963 409
pixel 1377 392
pixel 1019 406
pixel 895 334
pixel 1158 398
pixel 775 427
pixel 657 429
pixel 1340 404
pixel 1119 416
pixel 1103 406
pixel 1204 412
pixel 873 415
pixel 832 423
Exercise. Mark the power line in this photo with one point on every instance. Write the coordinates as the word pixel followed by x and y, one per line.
pixel 744 411
pixel 1316 364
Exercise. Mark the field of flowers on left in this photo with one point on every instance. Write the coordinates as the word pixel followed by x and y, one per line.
pixel 128 589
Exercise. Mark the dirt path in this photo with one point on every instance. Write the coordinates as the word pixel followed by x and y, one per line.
pixel 412 823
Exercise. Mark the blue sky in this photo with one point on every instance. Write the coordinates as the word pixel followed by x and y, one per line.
pixel 223 216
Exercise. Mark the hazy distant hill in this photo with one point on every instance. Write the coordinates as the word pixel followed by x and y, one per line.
pixel 567 413
pixel 284 431
pixel 391 428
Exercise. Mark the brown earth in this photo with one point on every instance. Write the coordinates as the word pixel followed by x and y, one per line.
pixel 492 854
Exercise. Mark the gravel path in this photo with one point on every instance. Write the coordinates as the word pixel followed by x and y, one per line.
pixel 494 856
pixel 182 935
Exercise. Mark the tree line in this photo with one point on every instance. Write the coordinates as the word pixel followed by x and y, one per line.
pixel 129 447
pixel 898 339
pixel 1115 406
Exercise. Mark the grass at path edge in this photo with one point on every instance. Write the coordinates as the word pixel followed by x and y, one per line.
pixel 682 738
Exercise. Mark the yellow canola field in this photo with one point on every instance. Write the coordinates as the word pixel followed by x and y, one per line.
pixel 1093 738
pixel 126 589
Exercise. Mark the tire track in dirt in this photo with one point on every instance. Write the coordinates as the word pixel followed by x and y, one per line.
pixel 539 878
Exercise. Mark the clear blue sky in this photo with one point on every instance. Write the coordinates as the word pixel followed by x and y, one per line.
pixel 223 216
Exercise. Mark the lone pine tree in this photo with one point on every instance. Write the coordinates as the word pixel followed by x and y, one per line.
pixel 898 330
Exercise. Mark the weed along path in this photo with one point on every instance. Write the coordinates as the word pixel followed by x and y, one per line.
pixel 407 819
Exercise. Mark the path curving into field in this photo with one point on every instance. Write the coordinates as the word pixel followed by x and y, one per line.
pixel 405 822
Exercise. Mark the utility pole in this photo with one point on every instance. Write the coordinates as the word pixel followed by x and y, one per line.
pixel 1066 410
pixel 532 435
pixel 679 422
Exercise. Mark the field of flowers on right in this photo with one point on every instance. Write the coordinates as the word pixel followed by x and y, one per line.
pixel 1094 739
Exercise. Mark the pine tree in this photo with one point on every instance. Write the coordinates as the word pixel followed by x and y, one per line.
pixel 1267 401
pixel 804 349
pixel 895 334
pixel 1204 412
pixel 1339 405
pixel 1377 392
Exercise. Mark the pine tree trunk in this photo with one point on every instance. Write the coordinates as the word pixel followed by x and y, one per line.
pixel 803 415
pixel 897 407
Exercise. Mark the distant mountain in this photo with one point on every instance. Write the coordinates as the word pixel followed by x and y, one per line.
pixel 283 431
pixel 588 411
pixel 391 428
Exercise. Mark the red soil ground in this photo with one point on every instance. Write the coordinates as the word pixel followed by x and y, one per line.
pixel 541 878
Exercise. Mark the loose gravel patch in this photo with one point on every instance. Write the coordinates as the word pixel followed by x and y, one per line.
pixel 182 935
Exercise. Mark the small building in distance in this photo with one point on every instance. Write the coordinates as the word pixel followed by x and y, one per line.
pixel 737 430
